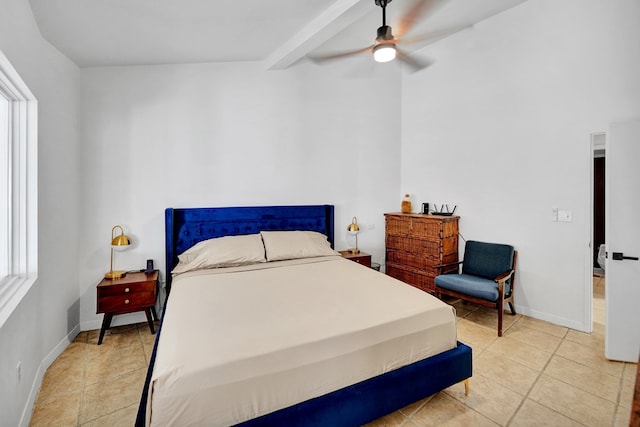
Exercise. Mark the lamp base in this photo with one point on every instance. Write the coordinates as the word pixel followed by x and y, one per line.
pixel 115 274
pixel 354 251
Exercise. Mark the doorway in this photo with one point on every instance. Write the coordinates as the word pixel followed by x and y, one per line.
pixel 598 142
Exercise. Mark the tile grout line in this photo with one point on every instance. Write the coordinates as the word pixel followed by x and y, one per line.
pixel 619 395
pixel 85 362
pixel 540 373
pixel 137 328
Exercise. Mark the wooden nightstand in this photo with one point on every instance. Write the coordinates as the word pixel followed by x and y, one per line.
pixel 133 292
pixel 361 257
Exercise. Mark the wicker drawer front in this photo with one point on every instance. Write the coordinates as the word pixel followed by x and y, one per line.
pixel 420 281
pixel 414 261
pixel 426 228
pixel 429 248
pixel 450 246
pixel 398 225
pixel 450 229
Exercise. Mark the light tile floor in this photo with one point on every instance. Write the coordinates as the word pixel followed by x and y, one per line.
pixel 537 374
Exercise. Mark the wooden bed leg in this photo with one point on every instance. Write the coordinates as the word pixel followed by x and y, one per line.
pixel 466 387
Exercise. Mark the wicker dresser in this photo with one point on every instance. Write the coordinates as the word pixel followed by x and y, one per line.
pixel 416 243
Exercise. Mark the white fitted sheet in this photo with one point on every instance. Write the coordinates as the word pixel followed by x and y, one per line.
pixel 238 343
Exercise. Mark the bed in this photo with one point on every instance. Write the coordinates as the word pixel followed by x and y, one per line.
pixel 303 337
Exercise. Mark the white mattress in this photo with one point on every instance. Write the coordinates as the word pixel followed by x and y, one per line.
pixel 241 342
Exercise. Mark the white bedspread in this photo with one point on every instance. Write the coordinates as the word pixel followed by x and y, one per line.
pixel 241 342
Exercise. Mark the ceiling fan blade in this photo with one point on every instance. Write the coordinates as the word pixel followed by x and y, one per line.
pixel 340 55
pixel 412 62
pixel 420 10
pixel 423 40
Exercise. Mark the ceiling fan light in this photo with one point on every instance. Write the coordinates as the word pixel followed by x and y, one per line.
pixel 384 52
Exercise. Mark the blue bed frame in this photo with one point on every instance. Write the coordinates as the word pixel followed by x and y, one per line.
pixel 351 406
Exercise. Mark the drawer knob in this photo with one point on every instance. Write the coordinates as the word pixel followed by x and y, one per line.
pixel 126 301
pixel 126 290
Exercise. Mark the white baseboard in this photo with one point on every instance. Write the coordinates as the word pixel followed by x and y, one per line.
pixel 44 365
pixel 561 321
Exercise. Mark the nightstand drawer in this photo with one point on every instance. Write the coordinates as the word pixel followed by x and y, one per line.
pixel 126 288
pixel 119 303
pixel 359 257
pixel 364 260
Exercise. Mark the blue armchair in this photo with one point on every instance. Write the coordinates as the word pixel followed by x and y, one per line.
pixel 487 277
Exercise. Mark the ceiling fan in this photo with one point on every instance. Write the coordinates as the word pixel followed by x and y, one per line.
pixel 385 48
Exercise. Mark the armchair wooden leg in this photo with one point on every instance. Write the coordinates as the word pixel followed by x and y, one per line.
pixel 500 307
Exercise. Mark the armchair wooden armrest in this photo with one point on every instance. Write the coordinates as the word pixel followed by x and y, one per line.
pixel 443 266
pixel 502 278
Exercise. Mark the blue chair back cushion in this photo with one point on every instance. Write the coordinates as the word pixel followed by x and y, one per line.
pixel 483 262
pixel 487 260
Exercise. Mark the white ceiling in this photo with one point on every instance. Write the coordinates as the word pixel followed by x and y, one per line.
pixel 278 32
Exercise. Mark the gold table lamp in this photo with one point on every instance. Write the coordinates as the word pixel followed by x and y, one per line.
pixel 354 229
pixel 121 241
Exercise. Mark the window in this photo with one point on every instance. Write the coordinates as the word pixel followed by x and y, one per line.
pixel 4 184
pixel 18 189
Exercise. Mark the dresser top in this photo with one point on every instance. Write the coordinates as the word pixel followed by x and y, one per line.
pixel 421 215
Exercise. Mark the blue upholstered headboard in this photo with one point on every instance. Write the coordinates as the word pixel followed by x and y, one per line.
pixel 187 226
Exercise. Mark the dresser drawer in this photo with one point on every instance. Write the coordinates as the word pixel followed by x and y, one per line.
pixel 399 226
pixel 430 248
pixel 427 226
pixel 128 302
pixel 420 262
pixel 417 280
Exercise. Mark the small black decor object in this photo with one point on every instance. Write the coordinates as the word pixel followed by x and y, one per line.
pixel 425 208
pixel 149 269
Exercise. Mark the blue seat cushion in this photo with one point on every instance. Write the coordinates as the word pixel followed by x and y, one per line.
pixel 474 286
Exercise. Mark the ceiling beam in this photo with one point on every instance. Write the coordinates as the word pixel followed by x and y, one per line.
pixel 336 18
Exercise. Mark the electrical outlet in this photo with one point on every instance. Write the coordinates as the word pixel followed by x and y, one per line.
pixel 19 372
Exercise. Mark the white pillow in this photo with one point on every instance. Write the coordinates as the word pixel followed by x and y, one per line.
pixel 281 245
pixel 227 251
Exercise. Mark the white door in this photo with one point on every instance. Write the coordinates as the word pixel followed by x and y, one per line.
pixel 622 289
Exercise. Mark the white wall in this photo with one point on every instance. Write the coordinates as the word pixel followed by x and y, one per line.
pixel 49 315
pixel 500 125
pixel 231 135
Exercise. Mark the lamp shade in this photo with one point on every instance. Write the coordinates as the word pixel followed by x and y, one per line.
pixel 121 240
pixel 384 52
pixel 353 228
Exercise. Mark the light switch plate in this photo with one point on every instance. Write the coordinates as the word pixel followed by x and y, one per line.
pixel 564 216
